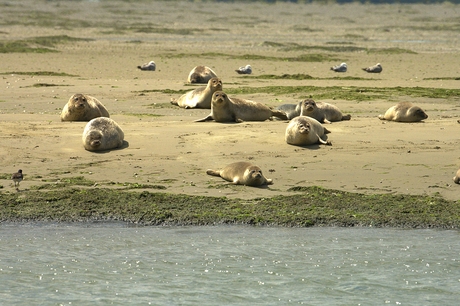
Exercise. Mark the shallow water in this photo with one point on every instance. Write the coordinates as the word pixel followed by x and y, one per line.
pixel 112 264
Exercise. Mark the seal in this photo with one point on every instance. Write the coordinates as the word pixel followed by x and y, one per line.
pixel 17 178
pixel 242 173
pixel 457 177
pixel 340 68
pixel 321 111
pixel 291 110
pixel 201 74
pixel 224 109
pixel 200 97
pixel 83 108
pixel 150 66
pixel 244 69
pixel 304 131
pixel 377 68
pixel 404 112
pixel 101 134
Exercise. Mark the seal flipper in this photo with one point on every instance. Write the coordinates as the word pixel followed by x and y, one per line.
pixel 213 172
pixel 207 118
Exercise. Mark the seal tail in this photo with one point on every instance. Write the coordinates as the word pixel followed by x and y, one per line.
pixel 212 172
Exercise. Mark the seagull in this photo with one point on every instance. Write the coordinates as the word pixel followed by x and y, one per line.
pixel 375 69
pixel 244 70
pixel 340 68
pixel 150 66
pixel 17 178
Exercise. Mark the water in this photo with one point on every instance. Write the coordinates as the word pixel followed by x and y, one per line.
pixel 112 264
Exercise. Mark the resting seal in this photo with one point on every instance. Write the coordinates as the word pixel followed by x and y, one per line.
pixel 244 69
pixel 321 111
pixel 304 131
pixel 102 134
pixel 224 109
pixel 199 97
pixel 150 66
pixel 457 177
pixel 242 173
pixel 377 68
pixel 83 108
pixel 291 110
pixel 201 74
pixel 404 112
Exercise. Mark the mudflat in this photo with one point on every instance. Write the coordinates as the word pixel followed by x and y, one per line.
pixel 52 50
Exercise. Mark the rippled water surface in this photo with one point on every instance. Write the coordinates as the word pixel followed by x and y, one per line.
pixel 111 264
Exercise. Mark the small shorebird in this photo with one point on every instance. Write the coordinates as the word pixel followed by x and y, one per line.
pixel 150 66
pixel 244 70
pixel 17 178
pixel 377 68
pixel 340 68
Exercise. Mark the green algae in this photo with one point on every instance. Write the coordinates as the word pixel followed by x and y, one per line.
pixel 307 206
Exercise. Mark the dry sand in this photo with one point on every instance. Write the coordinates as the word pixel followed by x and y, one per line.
pixel 167 148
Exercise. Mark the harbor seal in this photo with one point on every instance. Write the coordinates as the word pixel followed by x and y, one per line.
pixel 83 108
pixel 225 109
pixel 321 111
pixel 304 131
pixel 151 66
pixel 340 68
pixel 291 110
pixel 377 68
pixel 244 69
pixel 17 178
pixel 101 134
pixel 404 112
pixel 200 97
pixel 201 74
pixel 457 177
pixel 242 173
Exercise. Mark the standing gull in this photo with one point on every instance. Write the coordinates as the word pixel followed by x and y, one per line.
pixel 244 70
pixel 150 66
pixel 377 68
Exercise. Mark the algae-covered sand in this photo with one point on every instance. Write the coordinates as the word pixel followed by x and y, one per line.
pixel 51 50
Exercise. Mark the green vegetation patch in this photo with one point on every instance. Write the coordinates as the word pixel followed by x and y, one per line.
pixel 351 93
pixel 310 206
pixel 41 44
pixel 40 73
pixel 301 76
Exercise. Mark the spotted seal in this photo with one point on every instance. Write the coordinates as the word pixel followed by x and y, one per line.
pixel 304 131
pixel 200 97
pixel 242 173
pixel 82 107
pixel 321 111
pixel 404 112
pixel 225 109
pixel 340 68
pixel 101 134
pixel 201 74
pixel 377 68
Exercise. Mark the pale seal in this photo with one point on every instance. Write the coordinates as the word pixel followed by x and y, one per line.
pixel 457 177
pixel 291 110
pixel 225 109
pixel 304 131
pixel 200 97
pixel 340 68
pixel 101 134
pixel 404 112
pixel 321 111
pixel 83 108
pixel 377 68
pixel 242 173
pixel 17 178
pixel 201 74
pixel 244 69
pixel 150 66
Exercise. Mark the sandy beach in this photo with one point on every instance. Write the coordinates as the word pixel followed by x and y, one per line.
pixel 97 46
